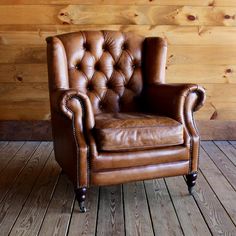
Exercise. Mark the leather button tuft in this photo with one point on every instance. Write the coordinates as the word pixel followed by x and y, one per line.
pixel 85 46
pixel 116 67
pixel 78 67
pixel 109 85
pixel 124 46
pixel 104 47
pixel 96 66
pixel 89 87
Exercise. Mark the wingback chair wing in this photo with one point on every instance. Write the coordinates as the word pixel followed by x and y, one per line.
pixel 114 119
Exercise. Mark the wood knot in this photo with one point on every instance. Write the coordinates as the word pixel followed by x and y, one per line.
pixel 228 70
pixel 19 78
pixel 227 17
pixel 191 17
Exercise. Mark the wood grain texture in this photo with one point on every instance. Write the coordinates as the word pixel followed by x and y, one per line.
pixel 26 130
pixel 3 144
pixel 137 217
pixel 177 54
pixel 22 73
pixel 200 34
pixel 117 14
pixel 175 35
pixel 110 220
pixel 29 101
pixel 214 213
pixel 223 163
pixel 217 130
pixel 57 219
pixel 41 205
pixel 125 2
pixel 8 152
pixel 161 208
pixel 24 111
pixel 188 213
pixel 30 218
pixel 9 208
pixel 228 150
pixel 222 188
pixel 9 175
pixel 85 224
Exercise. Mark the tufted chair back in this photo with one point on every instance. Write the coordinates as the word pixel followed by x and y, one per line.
pixel 106 65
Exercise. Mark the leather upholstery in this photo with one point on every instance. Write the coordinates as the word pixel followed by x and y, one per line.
pixel 125 175
pixel 133 131
pixel 96 80
pixel 118 160
pixel 104 65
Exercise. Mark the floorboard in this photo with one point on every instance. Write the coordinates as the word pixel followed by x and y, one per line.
pixel 228 149
pixel 219 184
pixel 30 218
pixel 8 152
pixel 85 224
pixel 57 219
pixel 214 213
pixel 222 162
pixel 165 220
pixel 10 174
pixel 37 199
pixel 3 144
pixel 110 220
pixel 137 216
pixel 13 202
pixel 189 215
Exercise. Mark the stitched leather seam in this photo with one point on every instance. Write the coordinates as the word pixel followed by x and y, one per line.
pixel 75 137
pixel 139 167
pixel 136 127
pixel 130 148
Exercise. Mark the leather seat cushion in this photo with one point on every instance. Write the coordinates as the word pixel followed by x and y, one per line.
pixel 136 131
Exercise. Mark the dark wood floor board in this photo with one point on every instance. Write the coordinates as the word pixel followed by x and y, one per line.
pixel 222 162
pixel 224 191
pixel 233 143
pixel 189 215
pixel 137 216
pixel 214 213
pixel 161 208
pixel 57 219
pixel 12 204
pixel 3 144
pixel 15 166
pixel 85 224
pixel 37 199
pixel 228 150
pixel 110 220
pixel 31 217
pixel 8 152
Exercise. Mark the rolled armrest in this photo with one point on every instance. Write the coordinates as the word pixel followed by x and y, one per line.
pixel 171 99
pixel 73 103
pixel 75 107
pixel 179 101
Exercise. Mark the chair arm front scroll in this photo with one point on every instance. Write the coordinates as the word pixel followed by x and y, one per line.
pixel 76 107
pixel 179 101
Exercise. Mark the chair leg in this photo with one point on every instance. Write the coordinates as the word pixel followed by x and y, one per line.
pixel 191 181
pixel 80 194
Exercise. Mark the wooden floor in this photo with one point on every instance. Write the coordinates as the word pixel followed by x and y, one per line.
pixel 36 199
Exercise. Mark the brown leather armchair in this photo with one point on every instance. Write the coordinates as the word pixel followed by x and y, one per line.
pixel 114 119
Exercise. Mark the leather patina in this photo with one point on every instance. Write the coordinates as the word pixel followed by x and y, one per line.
pixel 114 118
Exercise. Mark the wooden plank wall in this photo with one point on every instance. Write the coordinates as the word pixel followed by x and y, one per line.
pixel 201 35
